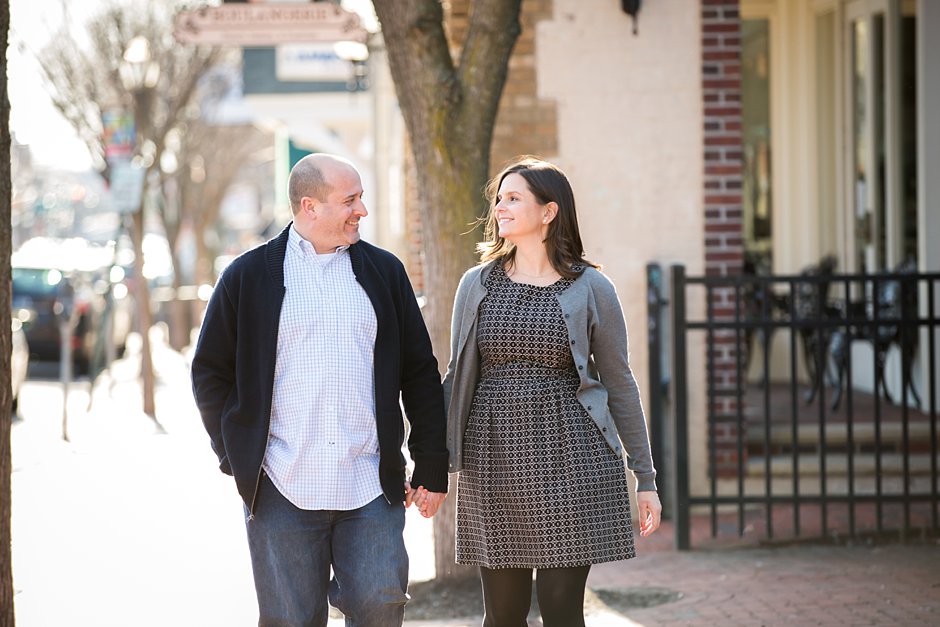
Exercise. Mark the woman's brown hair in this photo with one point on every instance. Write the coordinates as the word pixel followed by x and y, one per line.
pixel 563 239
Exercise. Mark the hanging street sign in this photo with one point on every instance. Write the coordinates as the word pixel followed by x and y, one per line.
pixel 126 186
pixel 119 134
pixel 268 24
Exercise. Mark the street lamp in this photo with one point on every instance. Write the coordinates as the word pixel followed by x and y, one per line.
pixel 356 53
pixel 140 73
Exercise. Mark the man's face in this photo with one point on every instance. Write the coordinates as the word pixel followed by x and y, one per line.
pixel 336 219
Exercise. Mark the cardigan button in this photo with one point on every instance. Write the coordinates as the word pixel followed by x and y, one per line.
pixel 567 315
pixel 604 429
pixel 590 408
pixel 580 367
pixel 572 342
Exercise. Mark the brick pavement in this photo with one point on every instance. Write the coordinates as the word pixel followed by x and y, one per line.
pixel 798 584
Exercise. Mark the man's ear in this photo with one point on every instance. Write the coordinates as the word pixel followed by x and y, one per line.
pixel 308 204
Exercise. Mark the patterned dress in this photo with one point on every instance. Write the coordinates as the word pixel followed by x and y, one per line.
pixel 540 486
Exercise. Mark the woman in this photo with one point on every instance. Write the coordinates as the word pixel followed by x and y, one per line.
pixel 541 403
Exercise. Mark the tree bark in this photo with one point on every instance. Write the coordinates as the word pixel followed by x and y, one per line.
pixel 7 616
pixel 449 113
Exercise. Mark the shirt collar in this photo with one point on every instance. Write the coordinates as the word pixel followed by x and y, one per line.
pixel 297 241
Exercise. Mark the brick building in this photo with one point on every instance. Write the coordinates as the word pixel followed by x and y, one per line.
pixel 722 130
pixel 776 130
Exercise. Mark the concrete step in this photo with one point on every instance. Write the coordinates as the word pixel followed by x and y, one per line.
pixel 837 434
pixel 864 464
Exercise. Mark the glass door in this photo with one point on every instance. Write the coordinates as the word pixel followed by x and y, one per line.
pixel 878 162
pixel 865 38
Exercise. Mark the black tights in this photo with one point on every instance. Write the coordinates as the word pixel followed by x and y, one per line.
pixel 507 593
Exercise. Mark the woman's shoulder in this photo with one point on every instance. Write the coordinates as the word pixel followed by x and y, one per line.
pixel 596 281
pixel 477 272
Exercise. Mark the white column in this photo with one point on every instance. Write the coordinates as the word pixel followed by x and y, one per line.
pixel 928 160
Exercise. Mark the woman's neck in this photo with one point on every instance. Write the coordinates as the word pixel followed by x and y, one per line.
pixel 531 265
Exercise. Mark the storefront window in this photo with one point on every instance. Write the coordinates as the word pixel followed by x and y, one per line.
pixel 909 134
pixel 755 114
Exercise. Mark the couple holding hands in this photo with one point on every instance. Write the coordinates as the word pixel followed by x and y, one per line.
pixel 312 343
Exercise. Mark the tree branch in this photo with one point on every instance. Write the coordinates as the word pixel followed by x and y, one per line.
pixel 492 33
pixel 422 69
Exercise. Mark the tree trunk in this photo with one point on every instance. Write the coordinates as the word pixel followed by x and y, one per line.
pixel 7 616
pixel 144 317
pixel 449 112
pixel 202 272
pixel 180 322
pixel 445 261
pixel 177 310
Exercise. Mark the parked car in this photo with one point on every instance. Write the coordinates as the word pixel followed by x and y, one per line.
pixel 43 294
pixel 19 361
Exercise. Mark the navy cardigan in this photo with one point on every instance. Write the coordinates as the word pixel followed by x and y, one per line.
pixel 233 368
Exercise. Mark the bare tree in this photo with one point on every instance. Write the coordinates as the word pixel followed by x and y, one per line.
pixel 450 107
pixel 87 81
pixel 209 158
pixel 7 617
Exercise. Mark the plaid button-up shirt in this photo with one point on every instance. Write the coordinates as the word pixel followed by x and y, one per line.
pixel 323 449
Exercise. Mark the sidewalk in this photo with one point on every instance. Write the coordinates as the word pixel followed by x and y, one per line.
pixel 798 585
pixel 127 526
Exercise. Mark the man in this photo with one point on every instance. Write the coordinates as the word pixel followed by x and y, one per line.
pixel 308 344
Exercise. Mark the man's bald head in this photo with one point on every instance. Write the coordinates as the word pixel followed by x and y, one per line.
pixel 312 176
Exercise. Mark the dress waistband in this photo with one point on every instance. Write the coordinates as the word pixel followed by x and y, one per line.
pixel 525 370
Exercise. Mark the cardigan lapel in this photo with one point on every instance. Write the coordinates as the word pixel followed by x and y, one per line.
pixel 474 298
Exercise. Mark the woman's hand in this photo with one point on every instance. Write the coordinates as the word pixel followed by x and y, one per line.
pixel 650 511
pixel 428 502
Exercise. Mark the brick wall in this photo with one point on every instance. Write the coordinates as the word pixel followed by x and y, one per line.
pixel 525 123
pixel 724 251
pixel 414 263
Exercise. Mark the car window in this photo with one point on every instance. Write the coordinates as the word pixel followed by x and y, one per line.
pixel 36 280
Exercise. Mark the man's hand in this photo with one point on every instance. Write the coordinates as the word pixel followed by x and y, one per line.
pixel 409 494
pixel 650 512
pixel 427 502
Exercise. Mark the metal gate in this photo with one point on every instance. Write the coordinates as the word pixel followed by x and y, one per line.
pixel 815 422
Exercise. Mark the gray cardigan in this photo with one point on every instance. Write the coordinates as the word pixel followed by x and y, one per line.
pixel 598 337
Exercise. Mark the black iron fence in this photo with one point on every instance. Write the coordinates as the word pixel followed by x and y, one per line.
pixel 819 408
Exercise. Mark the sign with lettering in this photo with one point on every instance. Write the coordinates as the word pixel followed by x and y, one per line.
pixel 126 186
pixel 310 62
pixel 268 24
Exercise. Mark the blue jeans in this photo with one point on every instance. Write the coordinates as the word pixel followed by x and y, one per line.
pixel 293 549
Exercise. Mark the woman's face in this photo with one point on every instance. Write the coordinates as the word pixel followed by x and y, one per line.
pixel 518 213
